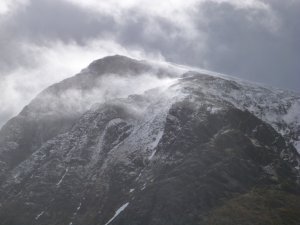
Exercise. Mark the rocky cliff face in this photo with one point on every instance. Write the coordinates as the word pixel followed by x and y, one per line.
pixel 186 148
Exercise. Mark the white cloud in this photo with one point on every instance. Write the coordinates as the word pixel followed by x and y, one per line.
pixel 3 7
pixel 179 13
pixel 181 30
pixel 53 63
pixel 244 4
pixel 7 6
pixel 175 11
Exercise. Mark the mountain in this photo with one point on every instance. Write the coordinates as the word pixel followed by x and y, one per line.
pixel 129 142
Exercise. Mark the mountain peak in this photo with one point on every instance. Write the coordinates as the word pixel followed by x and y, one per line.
pixel 114 58
pixel 118 64
pixel 179 147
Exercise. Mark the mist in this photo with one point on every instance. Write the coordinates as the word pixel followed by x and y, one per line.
pixel 56 62
pixel 45 41
pixel 70 98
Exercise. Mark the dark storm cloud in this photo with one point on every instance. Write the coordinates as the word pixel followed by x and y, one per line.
pixel 44 21
pixel 236 40
pixel 258 42
pixel 240 44
pixel 31 29
pixel 170 40
pixel 52 19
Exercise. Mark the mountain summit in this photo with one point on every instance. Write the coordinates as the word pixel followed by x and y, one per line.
pixel 130 142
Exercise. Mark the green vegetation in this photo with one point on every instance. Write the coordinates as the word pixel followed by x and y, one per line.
pixel 258 207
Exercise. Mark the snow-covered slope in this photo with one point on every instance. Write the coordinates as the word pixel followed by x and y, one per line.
pixel 134 142
pixel 279 108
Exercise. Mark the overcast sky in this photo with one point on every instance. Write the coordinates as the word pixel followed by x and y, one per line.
pixel 45 41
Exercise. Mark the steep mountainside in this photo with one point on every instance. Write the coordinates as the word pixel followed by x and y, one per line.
pixel 133 142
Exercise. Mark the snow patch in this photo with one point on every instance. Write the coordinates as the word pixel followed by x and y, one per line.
pixel 155 143
pixel 77 209
pixel 63 176
pixel 255 142
pixel 79 206
pixel 213 109
pixel 114 122
pixel 144 186
pixel 122 208
pixel 39 215
pixel 75 213
pixel 297 146
pixel 293 113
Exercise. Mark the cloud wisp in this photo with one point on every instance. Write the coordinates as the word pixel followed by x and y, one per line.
pixel 45 41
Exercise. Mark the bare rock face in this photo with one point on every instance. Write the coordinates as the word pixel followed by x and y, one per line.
pixel 55 109
pixel 188 150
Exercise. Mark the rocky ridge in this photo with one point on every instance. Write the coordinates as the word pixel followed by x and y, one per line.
pixel 181 151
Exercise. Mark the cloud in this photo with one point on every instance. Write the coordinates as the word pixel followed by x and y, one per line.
pixel 54 62
pixel 257 44
pixel 74 100
pixel 45 41
pixel 252 39
pixel 8 6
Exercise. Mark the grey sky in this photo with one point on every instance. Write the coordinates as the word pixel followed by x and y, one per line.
pixel 44 41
